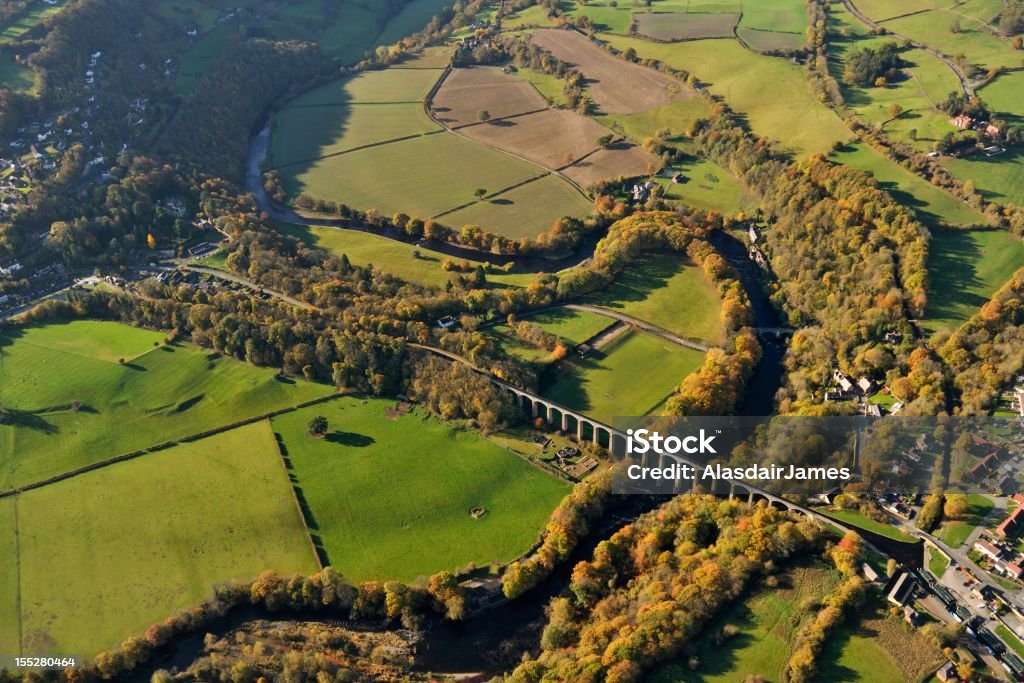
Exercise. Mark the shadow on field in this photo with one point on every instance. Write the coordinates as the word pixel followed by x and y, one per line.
pixel 26 419
pixel 189 403
pixel 350 439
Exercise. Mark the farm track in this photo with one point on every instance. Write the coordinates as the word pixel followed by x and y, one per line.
pixel 643 325
pixel 369 145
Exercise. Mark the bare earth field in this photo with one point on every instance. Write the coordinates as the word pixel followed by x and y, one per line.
pixel 552 138
pixel 617 86
pixel 676 26
pixel 622 159
pixel 467 92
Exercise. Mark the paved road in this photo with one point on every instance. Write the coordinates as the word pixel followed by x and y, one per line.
pixel 643 325
pixel 231 277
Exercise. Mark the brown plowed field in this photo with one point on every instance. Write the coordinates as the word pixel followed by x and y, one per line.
pixel 622 159
pixel 617 86
pixel 552 138
pixel 468 91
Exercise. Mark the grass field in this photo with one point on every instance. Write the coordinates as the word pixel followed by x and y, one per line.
pixel 390 498
pixel 167 393
pixel 927 82
pixel 607 382
pixel 1011 639
pixel 999 179
pixel 372 87
pixel 16 77
pixel 707 186
pixel 305 133
pixel 394 257
pixel 767 622
pixel 773 24
pixel 666 290
pixel 965 268
pixel 406 176
pixel 603 15
pixel 856 519
pixel 933 206
pixel 851 655
pixel 523 211
pixel 10 620
pixel 575 327
pixel 770 91
pixel 36 12
pixel 955 533
pixel 674 118
pixel 414 17
pixel 98 565
pixel 551 88
pixel 937 562
pixel 344 32
pixel 974 40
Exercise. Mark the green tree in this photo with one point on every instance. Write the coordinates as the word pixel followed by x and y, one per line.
pixel 317 427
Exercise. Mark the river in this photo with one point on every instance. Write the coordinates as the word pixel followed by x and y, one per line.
pixel 493 642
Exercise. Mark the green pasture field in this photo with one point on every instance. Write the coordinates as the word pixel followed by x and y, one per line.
pixel 933 206
pixel 854 518
pixel 605 383
pixel 367 87
pixel 414 17
pixel 685 25
pixel 603 15
pixel 393 257
pixel 974 40
pixel 38 11
pixel 667 290
pixel 344 33
pixel 534 15
pixel 423 176
pixel 965 268
pixel 390 498
pixel 707 186
pixel 999 178
pixel 881 10
pixel 10 618
pixel 305 133
pixel 767 620
pixel 93 339
pixel 523 211
pixel 786 16
pixel 773 24
pixel 675 117
pixel 955 533
pixel 772 92
pixel 575 327
pixel 168 393
pixel 1003 95
pixel 550 87
pixel 16 77
pixel 107 553
pixel 929 81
